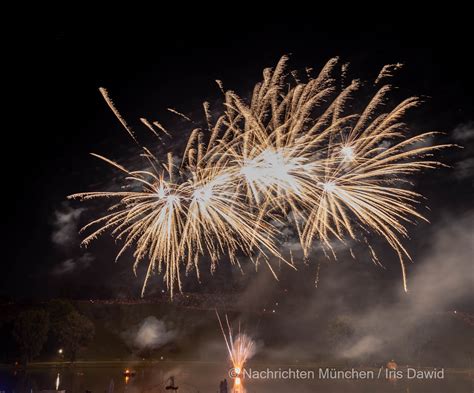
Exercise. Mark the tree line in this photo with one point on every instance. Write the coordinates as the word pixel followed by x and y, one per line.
pixel 56 324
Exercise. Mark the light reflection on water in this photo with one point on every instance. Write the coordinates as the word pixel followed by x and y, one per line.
pixel 203 378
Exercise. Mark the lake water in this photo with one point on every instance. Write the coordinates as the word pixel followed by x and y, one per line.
pixel 205 378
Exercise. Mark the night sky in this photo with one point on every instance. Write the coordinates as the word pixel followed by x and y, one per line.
pixel 58 117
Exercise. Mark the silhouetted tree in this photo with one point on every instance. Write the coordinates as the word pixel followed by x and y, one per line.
pixel 58 310
pixel 31 331
pixel 75 332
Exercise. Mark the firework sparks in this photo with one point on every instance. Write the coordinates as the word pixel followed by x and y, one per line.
pixel 240 349
pixel 294 154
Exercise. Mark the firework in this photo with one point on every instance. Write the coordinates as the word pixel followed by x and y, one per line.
pixel 240 349
pixel 339 174
pixel 294 155
pixel 173 223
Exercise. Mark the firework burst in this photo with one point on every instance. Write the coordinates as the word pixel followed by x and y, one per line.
pixel 294 154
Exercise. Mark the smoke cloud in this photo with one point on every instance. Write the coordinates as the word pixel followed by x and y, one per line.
pixel 150 334
pixel 66 226
pixel 440 281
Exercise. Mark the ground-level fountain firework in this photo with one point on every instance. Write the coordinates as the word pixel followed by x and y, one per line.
pixel 296 154
pixel 240 349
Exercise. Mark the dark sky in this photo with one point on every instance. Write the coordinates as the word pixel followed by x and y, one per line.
pixel 57 117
